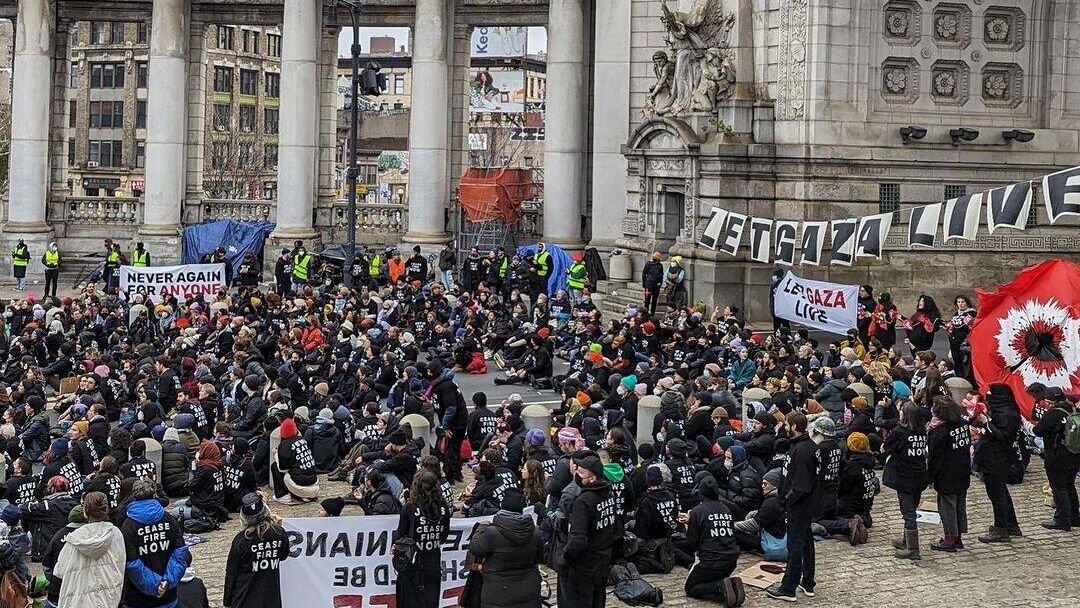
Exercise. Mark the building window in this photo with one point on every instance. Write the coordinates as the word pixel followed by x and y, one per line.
pixel 140 114
pixel 117 32
pixel 249 82
pixel 270 156
pixel 888 198
pixel 955 191
pixel 223 78
pixel 270 121
pixel 225 37
pixel 71 152
pixel 273 84
pixel 142 74
pixel 73 75
pixel 269 190
pixel 106 114
pixel 247 119
pixel 98 32
pixel 222 116
pixel 107 75
pixel 106 153
pixel 273 45
pixel 73 113
pixel 399 106
pixel 142 32
pixel 250 41
pixel 219 152
pixel 399 84
pixel 140 154
pixel 528 161
pixel 1033 216
pixel 245 155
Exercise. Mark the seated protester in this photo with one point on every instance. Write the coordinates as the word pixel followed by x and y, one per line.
pixel 137 465
pixel 324 437
pixel 486 495
pixel 760 442
pixel 398 461
pixel 515 443
pixel 593 427
pixel 535 366
pixel 671 409
pixel 120 443
pixel 533 477
pixel 683 471
pixel 43 518
pixel 742 491
pixel 571 444
pixel 721 424
pixel 375 497
pixel 185 430
pixel 768 519
pixel 107 481
pixel 175 465
pixel 710 534
pixel 206 487
pixel 331 507
pixel 292 467
pixel 156 553
pixel 239 474
pixel 82 450
pixel 483 421
pixel 855 493
pixel 536 449
pixel 861 420
pixel 21 487
pixel 511 550
pixel 625 500
pixel 260 458
pixel 11 516
pixel 370 434
pixel 655 521
pixel 58 462
pixel 621 446
pixel 823 432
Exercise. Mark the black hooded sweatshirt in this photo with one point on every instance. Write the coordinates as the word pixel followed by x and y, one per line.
pixel 656 514
pixel 711 534
pixel 858 485
pixel 592 532
pixel 252 570
pixel 800 489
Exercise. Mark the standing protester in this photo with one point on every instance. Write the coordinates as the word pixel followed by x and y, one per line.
pixel 92 562
pixel 997 460
pixel 302 268
pixel 905 472
pixel 447 264
pixel 157 556
pixel 652 278
pixel 675 283
pixel 425 520
pixel 511 551
pixel 948 443
pixel 140 257
pixel 51 261
pixel 959 327
pixel 283 272
pixel 1061 455
pixel 20 257
pixel 923 325
pixel 252 570
pixel 576 278
pixel 585 561
pixel 542 262
pixel 774 284
pixel 250 270
pixel 801 494
pixel 416 267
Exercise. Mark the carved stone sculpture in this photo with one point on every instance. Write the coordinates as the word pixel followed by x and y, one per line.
pixel 660 96
pixel 698 70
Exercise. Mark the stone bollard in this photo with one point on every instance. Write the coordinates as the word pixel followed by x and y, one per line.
pixel 865 392
pixel 750 395
pixel 153 454
pixel 620 267
pixel 537 416
pixel 275 443
pixel 647 408
pixel 958 388
pixel 420 428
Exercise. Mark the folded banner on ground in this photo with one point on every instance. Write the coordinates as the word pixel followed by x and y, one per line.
pixel 1028 331
pixel 830 307
pixel 160 282
pixel 345 562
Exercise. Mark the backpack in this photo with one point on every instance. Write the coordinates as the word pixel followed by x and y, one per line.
pixel 1071 436
pixel 404 553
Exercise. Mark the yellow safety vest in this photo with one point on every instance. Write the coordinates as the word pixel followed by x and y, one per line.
pixel 542 265
pixel 140 260
pixel 113 258
pixel 375 266
pixel 16 252
pixel 502 268
pixel 576 280
pixel 52 259
pixel 300 268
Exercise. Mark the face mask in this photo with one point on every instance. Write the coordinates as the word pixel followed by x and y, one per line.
pixel 729 465
pixel 621 390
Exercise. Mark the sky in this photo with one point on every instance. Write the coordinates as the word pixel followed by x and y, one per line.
pixel 537 38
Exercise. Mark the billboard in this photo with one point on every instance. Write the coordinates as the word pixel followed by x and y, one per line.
pixel 499 41
pixel 497 91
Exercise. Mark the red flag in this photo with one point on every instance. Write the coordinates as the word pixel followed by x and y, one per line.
pixel 1028 331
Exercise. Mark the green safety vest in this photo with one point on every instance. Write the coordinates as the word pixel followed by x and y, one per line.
pixel 140 260
pixel 113 258
pixel 502 267
pixel 52 259
pixel 375 267
pixel 20 256
pixel 542 265
pixel 576 280
pixel 300 267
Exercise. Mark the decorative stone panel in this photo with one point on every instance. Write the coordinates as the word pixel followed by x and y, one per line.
pixel 1002 85
pixel 903 22
pixel 950 82
pixel 952 26
pixel 900 79
pixel 1004 28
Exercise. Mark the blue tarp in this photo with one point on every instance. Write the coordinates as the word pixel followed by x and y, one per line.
pixel 560 262
pixel 237 238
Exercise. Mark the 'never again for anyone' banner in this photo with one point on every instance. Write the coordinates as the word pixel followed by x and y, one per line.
pixel 160 282
pixel 831 307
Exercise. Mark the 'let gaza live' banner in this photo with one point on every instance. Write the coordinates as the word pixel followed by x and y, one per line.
pixel 831 307
pixel 344 562
pixel 160 282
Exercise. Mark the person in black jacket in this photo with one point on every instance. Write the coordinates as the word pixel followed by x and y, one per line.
pixel 252 569
pixel 294 474
pixel 175 465
pixel 511 550
pixel 655 521
pixel 206 487
pixel 107 481
pixel 21 487
pixel 823 432
pixel 585 561
pixel 58 463
pixel 76 519
pixel 801 496
pixel 43 518
pixel 156 553
pixel 948 465
pixel 425 519
pixel 83 451
pixel 652 277
pixel 742 491
pixel 376 498
pixel 239 473
pixel 1061 464
pixel 483 421
pixel 905 472
pixel 324 437
pixel 768 519
pixel 996 456
pixel 855 492
pixel 710 533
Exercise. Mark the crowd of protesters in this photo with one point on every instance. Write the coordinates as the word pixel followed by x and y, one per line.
pixel 262 395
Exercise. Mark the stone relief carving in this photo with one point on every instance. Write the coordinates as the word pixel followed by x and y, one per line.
pixel 667 166
pixel 697 70
pixel 950 82
pixel 791 64
pixel 690 210
pixel 900 79
pixel 952 26
pixel 903 22
pixel 643 204
pixel 1002 84
pixel 1004 28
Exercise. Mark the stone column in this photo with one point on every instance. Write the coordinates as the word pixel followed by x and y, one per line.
pixel 429 124
pixel 166 128
pixel 30 121
pixel 564 147
pixel 610 120
pixel 298 139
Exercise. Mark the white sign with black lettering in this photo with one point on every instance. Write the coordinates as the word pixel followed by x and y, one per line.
pixel 831 307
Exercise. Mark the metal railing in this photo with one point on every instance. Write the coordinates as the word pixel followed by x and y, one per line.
pixel 103 210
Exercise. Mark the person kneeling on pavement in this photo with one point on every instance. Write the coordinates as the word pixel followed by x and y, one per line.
pixel 710 533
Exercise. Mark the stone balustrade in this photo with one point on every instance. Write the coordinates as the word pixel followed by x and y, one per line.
pixel 239 210
pixel 374 219
pixel 104 211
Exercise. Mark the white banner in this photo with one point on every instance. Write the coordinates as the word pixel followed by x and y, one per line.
pixel 831 307
pixel 344 562
pixel 160 282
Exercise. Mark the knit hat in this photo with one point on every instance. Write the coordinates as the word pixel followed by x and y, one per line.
pixel 669 399
pixel 332 506
pixel 774 476
pixel 254 510
pixel 678 448
pixel 158 432
pixel 720 412
pixel 252 383
pixel 513 501
pixel 169 434
pixel 82 426
pixel 184 421
pixel 78 412
pixel 11 515
pixel 35 402
pixel 824 426
pixel 535 437
pixel 288 429
pixel 326 414
pixel 707 486
pixel 704 398
pixel 143 489
pixel 301 413
pixel 240 446
pixel 59 446
pixel 859 404
pixel 738 454
pixel 766 419
pixel 76 515
pixel 858 442
pixel 653 476
pixel 398 438
pixel 322 389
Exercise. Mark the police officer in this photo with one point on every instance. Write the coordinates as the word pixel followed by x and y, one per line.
pixel 302 267
pixel 20 257
pixel 585 560
pixel 576 277
pixel 113 261
pixel 375 270
pixel 51 261
pixel 541 259
pixel 140 257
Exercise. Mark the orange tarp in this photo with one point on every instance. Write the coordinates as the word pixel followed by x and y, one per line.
pixel 495 194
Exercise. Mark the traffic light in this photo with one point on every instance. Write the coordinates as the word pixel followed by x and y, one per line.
pixel 372 83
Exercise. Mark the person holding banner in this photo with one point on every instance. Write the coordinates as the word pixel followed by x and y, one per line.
pixel 251 572
pixel 426 520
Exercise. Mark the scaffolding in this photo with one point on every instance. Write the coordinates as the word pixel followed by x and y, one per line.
pixel 491 200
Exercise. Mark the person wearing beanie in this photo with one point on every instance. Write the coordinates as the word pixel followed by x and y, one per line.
pixel 511 550
pixel 857 487
pixel 655 521
pixel 830 460
pixel 83 452
pixel 185 428
pixel 325 440
pixel 331 507
pixel 42 518
pixel 76 519
pixel 710 535
pixel 58 462
pixel 292 469
pixel 253 409
pixel 671 409
pixel 252 570
pixel 766 523
pixel 175 464
pixel 571 444
pixel 585 562
pixel 682 473
pixel 35 433
pixel 760 441
pixel 92 562
pixel 801 495
pixel 206 487
pixel 699 423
